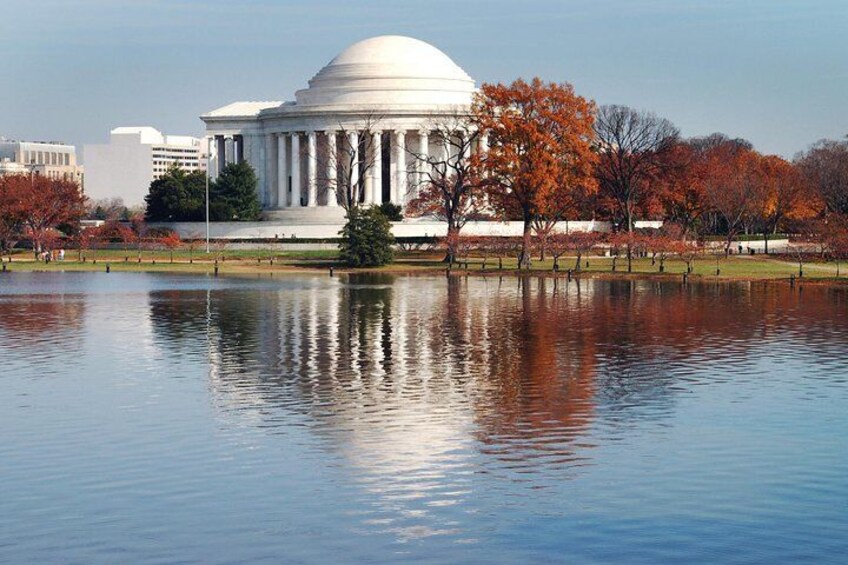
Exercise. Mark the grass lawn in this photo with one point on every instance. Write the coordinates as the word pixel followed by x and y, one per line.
pixel 267 261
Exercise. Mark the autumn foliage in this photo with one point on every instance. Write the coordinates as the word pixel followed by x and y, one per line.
pixel 39 209
pixel 540 154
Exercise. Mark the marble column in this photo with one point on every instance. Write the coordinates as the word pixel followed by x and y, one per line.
pixel 282 171
pixel 312 170
pixel 353 146
pixel 238 144
pixel 423 163
pixel 368 188
pixel 228 149
pixel 332 169
pixel 295 171
pixel 220 152
pixel 377 166
pixel 400 181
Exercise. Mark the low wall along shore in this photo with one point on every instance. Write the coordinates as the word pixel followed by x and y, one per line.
pixel 271 230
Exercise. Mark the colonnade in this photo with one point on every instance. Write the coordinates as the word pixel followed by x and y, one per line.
pixel 313 166
pixel 228 149
pixel 308 169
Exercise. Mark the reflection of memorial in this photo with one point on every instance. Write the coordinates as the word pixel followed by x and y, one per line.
pixel 490 354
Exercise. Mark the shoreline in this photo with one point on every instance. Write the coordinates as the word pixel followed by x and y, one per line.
pixel 733 270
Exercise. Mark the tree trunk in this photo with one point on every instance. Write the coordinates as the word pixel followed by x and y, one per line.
pixel 452 236
pixel 577 264
pixel 524 259
pixel 765 240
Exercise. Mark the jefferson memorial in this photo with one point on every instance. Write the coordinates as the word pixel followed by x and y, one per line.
pixel 382 98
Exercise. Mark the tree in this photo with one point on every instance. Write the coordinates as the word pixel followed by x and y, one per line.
pixel 617 242
pixel 114 231
pixel 664 242
pixel 734 183
pixel 233 197
pixel 561 205
pixel 105 209
pixel 366 238
pixel 451 184
pixel 392 211
pixel 177 196
pixel 680 187
pixel 505 247
pixel 167 239
pixel 836 241
pixel 558 245
pixel 825 167
pixel 37 206
pixel 11 212
pixel 578 242
pixel 539 136
pixel 783 194
pixel 353 161
pixel 83 239
pixel 688 251
pixel 632 146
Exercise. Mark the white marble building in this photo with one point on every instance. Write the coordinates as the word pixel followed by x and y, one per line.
pixel 383 96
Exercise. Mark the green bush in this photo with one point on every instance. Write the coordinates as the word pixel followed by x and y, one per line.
pixel 366 238
pixel 393 212
pixel 233 197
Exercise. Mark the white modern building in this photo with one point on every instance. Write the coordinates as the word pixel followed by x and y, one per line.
pixel 133 158
pixel 361 120
pixel 51 159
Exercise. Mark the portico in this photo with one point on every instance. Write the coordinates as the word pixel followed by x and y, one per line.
pixel 355 132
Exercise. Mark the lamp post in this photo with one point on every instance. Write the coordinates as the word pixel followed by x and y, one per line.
pixel 208 171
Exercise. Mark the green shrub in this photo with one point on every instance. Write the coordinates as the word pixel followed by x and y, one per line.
pixel 366 238
pixel 394 212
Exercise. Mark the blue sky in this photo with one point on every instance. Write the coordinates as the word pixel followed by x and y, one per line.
pixel 772 71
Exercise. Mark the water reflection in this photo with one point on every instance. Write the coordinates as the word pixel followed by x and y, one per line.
pixel 367 418
pixel 518 358
pixel 420 383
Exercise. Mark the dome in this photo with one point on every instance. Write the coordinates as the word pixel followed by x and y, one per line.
pixel 389 71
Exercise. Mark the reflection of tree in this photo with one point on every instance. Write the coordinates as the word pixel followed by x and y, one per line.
pixel 539 385
pixel 57 319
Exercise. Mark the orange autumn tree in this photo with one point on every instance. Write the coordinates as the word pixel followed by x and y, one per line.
pixel 784 195
pixel 680 187
pixel 41 205
pixel 539 149
pixel 734 182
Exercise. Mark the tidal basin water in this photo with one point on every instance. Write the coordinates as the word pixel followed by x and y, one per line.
pixel 162 418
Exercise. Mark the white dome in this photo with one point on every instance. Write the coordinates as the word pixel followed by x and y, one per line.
pixel 389 71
